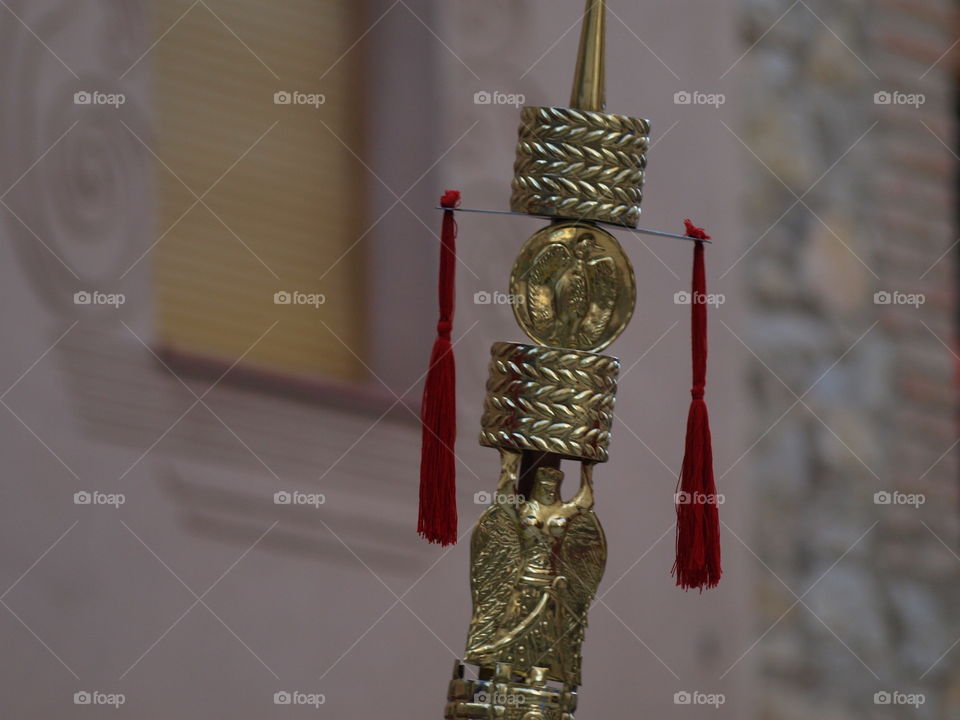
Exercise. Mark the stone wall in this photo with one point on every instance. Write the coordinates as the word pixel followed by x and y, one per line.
pixel 851 267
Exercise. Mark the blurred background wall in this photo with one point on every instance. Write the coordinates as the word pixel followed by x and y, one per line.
pixel 219 285
pixel 849 133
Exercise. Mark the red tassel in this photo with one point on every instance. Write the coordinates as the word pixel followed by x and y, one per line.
pixel 437 522
pixel 698 522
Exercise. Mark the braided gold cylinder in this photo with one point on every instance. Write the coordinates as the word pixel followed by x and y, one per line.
pixel 550 400
pixel 580 164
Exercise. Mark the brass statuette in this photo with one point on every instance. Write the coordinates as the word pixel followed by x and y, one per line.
pixel 575 287
pixel 535 566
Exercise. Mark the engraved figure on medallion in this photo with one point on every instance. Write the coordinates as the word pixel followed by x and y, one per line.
pixel 571 295
pixel 575 287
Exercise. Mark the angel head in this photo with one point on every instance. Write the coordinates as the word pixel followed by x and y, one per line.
pixel 546 485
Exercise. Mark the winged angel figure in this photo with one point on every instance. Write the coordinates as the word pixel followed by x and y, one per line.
pixel 571 294
pixel 535 567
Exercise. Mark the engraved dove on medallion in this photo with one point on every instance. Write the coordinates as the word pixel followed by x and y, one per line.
pixel 571 295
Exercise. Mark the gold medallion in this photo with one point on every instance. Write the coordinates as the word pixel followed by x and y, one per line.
pixel 573 287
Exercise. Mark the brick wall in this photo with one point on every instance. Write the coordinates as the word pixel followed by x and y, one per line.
pixel 853 297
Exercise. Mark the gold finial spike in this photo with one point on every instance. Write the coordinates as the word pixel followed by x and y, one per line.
pixel 589 79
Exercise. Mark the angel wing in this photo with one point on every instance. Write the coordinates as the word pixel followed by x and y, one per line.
pixel 582 559
pixel 495 565
pixel 602 278
pixel 541 281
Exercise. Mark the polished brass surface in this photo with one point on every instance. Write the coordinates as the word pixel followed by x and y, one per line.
pixel 580 164
pixel 574 287
pixel 586 129
pixel 589 78
pixel 536 559
pixel 549 400
pixel 535 566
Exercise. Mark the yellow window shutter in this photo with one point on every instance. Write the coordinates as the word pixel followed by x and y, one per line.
pixel 281 208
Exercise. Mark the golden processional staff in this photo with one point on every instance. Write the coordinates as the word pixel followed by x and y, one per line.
pixel 537 559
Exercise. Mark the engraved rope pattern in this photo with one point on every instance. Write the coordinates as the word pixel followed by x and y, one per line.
pixel 574 207
pixel 553 365
pixel 589 120
pixel 572 185
pixel 549 399
pixel 608 174
pixel 600 139
pixel 580 164
pixel 570 153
